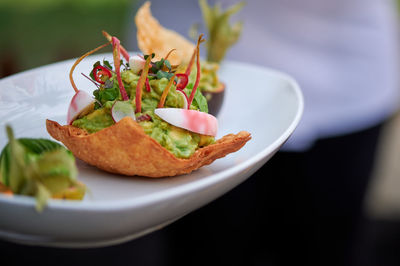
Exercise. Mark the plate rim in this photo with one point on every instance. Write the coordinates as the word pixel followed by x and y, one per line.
pixel 152 198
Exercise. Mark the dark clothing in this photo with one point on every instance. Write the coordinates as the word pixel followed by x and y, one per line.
pixel 298 209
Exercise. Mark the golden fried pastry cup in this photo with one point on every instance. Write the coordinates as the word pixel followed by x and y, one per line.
pixel 124 148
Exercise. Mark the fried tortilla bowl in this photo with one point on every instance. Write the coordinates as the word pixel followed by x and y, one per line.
pixel 124 148
pixel 154 38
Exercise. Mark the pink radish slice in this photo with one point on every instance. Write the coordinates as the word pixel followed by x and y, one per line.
pixel 192 120
pixel 185 99
pixel 81 101
pixel 136 63
pixel 121 109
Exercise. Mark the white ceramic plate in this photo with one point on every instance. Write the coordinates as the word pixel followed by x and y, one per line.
pixel 266 103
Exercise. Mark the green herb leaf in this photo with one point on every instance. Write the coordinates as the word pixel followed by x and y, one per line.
pixel 154 69
pixel 167 64
pixel 96 64
pixel 107 64
pixel 159 64
pixel 199 101
pixel 109 92
pixel 152 56
pixel 162 74
pixel 92 75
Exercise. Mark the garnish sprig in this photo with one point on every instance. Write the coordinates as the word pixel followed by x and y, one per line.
pixel 142 80
pixel 124 53
pixel 196 84
pixel 117 65
pixel 165 92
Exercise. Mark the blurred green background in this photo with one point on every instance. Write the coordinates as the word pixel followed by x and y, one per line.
pixel 39 32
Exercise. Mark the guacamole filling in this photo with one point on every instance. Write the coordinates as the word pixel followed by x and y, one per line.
pixel 180 142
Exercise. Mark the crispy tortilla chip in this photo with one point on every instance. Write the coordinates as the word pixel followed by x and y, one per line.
pixel 154 38
pixel 125 149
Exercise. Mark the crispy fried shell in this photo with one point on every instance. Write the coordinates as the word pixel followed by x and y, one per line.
pixel 125 149
pixel 154 38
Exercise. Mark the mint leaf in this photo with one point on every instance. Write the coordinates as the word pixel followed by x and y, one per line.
pixel 162 74
pixel 159 64
pixel 199 101
pixel 110 92
pixel 92 75
pixel 167 64
pixel 96 64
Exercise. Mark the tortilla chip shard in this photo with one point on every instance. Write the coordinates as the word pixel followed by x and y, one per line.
pixel 154 38
pixel 124 148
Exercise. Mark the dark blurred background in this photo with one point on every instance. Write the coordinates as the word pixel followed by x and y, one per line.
pixel 38 32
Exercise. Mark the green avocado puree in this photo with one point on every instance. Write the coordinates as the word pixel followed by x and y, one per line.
pixel 182 143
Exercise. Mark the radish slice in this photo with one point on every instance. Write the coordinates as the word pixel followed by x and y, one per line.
pixel 79 103
pixel 136 63
pixel 185 99
pixel 192 120
pixel 121 109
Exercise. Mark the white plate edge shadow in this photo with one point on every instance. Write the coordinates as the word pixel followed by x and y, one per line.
pixel 175 191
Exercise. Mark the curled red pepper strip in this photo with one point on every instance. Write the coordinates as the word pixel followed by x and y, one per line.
pixel 148 88
pixel 117 60
pixel 99 72
pixel 183 81
pixel 196 84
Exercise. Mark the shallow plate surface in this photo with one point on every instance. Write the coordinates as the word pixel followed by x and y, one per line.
pixel 264 102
